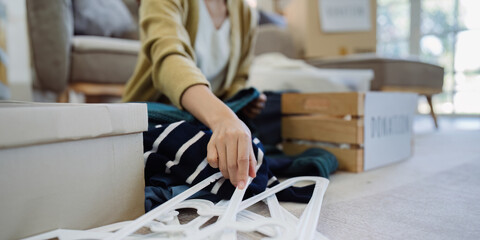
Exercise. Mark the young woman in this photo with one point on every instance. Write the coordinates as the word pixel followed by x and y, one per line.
pixel 195 53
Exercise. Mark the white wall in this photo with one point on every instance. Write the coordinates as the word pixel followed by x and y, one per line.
pixel 19 68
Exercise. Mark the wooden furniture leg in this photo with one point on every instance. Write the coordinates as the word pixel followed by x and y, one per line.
pixel 94 99
pixel 63 96
pixel 98 92
pixel 94 92
pixel 429 100
pixel 427 92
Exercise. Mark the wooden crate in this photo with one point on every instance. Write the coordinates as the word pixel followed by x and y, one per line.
pixel 337 122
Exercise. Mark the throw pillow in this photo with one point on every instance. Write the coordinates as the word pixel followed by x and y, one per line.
pixel 109 18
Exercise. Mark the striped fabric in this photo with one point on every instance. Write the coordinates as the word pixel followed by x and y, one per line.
pixel 178 151
pixel 175 151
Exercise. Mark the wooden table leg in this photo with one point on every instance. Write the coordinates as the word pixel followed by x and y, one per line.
pixel 429 99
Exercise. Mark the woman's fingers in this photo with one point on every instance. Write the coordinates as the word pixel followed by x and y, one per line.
pixel 231 160
pixel 260 105
pixel 257 103
pixel 251 111
pixel 255 111
pixel 252 165
pixel 230 149
pixel 222 157
pixel 243 160
pixel 262 98
pixel 255 107
pixel 249 114
pixel 212 155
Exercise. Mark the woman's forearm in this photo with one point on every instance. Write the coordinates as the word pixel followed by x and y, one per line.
pixel 205 106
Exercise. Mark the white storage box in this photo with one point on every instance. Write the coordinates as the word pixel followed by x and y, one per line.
pixel 74 166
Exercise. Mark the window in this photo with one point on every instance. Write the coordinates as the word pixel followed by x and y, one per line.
pixel 444 32
pixel 393 24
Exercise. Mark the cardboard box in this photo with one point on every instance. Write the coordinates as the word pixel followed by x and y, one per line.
pixel 318 38
pixel 74 166
pixel 363 130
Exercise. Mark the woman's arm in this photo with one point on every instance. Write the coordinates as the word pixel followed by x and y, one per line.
pixel 230 147
pixel 167 54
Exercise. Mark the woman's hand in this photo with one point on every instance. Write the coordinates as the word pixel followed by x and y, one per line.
pixel 255 107
pixel 230 147
pixel 230 150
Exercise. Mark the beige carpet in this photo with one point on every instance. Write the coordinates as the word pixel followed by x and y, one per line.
pixel 443 206
pixel 433 195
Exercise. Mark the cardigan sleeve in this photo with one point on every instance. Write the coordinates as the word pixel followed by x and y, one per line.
pixel 167 45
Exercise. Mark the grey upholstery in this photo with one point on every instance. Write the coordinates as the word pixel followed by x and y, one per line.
pixel 58 60
pixel 390 71
pixel 117 57
pixel 50 25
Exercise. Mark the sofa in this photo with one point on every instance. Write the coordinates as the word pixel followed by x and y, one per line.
pixel 97 66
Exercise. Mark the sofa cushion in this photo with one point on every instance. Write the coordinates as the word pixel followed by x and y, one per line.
pixel 110 18
pixel 392 72
pixel 115 45
pixel 102 59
